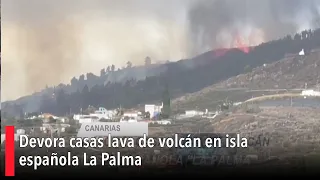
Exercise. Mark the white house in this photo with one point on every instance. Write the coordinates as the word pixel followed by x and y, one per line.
pixel 310 93
pixel 88 119
pixel 103 113
pixel 162 122
pixel 129 119
pixel 153 110
pixel 191 113
pixel 131 114
pixel 47 116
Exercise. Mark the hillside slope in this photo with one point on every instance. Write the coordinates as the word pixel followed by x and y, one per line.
pixel 185 76
pixel 292 72
pixel 289 73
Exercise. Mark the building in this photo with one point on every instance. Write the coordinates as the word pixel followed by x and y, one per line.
pixel 88 119
pixel 153 110
pixel 129 119
pixel 131 114
pixel 47 116
pixel 310 93
pixel 103 113
pixel 161 122
pixel 191 113
pixel 47 127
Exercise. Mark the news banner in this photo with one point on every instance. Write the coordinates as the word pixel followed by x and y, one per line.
pixel 111 144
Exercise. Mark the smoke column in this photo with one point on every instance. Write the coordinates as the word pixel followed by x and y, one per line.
pixel 211 19
pixel 216 22
pixel 47 42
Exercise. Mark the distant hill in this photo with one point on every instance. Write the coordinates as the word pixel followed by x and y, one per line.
pixel 184 76
pixel 32 102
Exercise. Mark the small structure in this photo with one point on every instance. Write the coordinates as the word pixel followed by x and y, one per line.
pixel 162 122
pixel 131 114
pixel 301 53
pixel 103 113
pixel 54 128
pixel 88 119
pixel 310 93
pixel 191 113
pixel 237 103
pixel 153 110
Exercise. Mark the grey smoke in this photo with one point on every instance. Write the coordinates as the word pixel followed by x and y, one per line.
pixel 46 42
pixel 275 18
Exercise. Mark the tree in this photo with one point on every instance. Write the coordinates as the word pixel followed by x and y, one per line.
pixel 62 103
pixel 165 112
pixel 91 76
pixel 129 64
pixel 247 68
pixel 102 72
pixel 297 37
pixel 85 90
pixel 81 78
pixel 113 67
pixel 85 97
pixel 147 61
pixel 47 103
pixel 74 81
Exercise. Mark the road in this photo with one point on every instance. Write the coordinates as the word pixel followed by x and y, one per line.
pixel 265 97
pixel 255 90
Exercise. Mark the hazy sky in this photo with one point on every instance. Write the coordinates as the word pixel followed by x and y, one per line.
pixel 45 42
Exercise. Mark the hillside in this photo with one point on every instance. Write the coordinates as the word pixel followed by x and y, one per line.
pixel 289 73
pixel 112 75
pixel 292 72
pixel 185 76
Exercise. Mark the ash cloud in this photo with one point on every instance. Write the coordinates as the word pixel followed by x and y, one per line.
pixel 209 18
pixel 47 42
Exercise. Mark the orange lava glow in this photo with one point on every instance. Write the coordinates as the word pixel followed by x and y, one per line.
pixel 243 42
